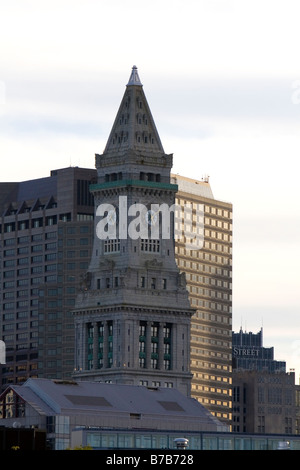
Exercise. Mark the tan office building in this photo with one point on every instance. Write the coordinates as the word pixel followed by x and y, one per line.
pixel 208 270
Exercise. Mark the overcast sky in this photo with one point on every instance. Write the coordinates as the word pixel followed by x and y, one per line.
pixel 222 78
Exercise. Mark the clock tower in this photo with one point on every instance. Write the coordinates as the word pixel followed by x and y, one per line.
pixel 132 314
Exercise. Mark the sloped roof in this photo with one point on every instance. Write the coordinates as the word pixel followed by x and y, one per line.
pixel 41 187
pixel 99 399
pixel 31 398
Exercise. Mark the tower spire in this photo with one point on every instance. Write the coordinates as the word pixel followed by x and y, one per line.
pixel 134 78
pixel 134 128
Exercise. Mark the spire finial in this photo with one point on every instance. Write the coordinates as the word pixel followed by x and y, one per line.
pixel 134 77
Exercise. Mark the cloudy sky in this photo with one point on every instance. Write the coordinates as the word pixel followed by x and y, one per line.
pixel 222 78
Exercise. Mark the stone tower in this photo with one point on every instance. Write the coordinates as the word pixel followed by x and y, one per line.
pixel 132 315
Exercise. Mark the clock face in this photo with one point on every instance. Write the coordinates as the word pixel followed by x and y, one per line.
pixel 151 217
pixel 111 217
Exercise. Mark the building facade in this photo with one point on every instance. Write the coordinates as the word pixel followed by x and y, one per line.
pixel 46 232
pixel 207 264
pixel 264 402
pixel 264 395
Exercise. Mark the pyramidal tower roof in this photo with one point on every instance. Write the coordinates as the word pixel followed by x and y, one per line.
pixel 134 128
pixel 134 77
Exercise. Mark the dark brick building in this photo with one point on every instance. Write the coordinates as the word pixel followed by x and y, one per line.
pixel 46 232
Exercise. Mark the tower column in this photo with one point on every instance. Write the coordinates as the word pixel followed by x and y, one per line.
pixel 174 348
pixel 161 346
pixel 78 347
pixel 148 345
pixel 105 344
pixel 95 345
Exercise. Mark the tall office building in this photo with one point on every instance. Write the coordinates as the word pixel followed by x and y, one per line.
pixel 133 316
pixel 207 265
pixel 46 232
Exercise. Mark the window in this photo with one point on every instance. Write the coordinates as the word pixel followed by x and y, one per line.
pixel 50 257
pixel 261 424
pixel 112 246
pixel 65 217
pixel 154 330
pixel 36 223
pixel 9 263
pixel 142 329
pixel 169 384
pixel 10 252
pixel 167 331
pixel 22 272
pixel 51 220
pixel 9 242
pixel 8 274
pixel 37 259
pixel 8 306
pixel 150 246
pixel 36 248
pixel 9 227
pixel 142 362
pixel 50 267
pixel 9 284
pixel 50 235
pixel 13 405
pixel 23 250
pixel 51 246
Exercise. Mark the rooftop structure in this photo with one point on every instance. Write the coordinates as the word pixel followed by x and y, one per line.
pixel 249 353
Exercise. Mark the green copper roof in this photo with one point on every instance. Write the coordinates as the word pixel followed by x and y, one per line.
pixel 139 183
